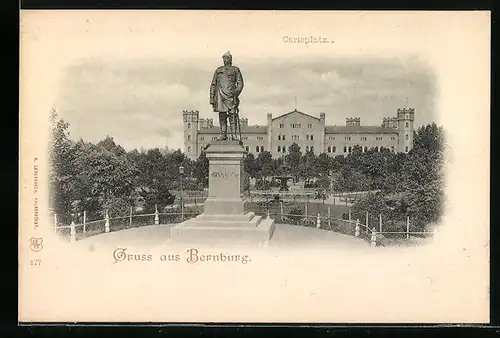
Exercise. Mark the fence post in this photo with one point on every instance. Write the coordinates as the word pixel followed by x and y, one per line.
pixel 268 214
pixel 55 223
pixel 356 231
pixel 318 222
pixel 373 239
pixel 407 227
pixel 72 232
pixel 84 221
pixel 281 209
pixel 380 222
pixel 106 224
pixel 130 223
pixel 157 217
pixel 329 219
pixel 350 214
pixel 306 210
pixel 367 226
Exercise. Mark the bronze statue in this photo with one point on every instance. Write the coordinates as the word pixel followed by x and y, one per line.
pixel 226 86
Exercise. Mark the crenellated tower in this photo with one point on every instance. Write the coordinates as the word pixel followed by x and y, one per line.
pixel 390 122
pixel 191 119
pixel 353 121
pixel 405 119
pixel 206 123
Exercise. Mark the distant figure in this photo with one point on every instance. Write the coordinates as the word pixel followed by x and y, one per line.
pixel 227 85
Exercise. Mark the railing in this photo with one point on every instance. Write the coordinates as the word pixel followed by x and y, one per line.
pixel 327 222
pixel 349 227
pixel 111 224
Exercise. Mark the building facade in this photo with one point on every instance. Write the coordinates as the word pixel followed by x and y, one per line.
pixel 309 132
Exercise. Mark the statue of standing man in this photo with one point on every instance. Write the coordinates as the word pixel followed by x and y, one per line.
pixel 226 86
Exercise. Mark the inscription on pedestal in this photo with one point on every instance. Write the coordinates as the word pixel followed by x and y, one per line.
pixel 223 174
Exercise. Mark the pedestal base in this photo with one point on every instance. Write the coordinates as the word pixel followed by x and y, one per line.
pixel 223 229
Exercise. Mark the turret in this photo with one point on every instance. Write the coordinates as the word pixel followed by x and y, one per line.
pixel 190 120
pixel 206 123
pixel 390 122
pixel 353 121
pixel 405 120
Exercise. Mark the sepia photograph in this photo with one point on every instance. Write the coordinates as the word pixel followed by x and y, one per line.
pixel 210 166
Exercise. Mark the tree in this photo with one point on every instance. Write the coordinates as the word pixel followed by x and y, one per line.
pixel 61 159
pixel 308 165
pixel 105 177
pixel 109 144
pixel 201 169
pixel 250 165
pixel 265 164
pixel 293 159
pixel 323 164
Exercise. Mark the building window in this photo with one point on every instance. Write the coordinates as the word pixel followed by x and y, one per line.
pixel 309 125
pixel 350 149
pixel 282 125
pixel 257 149
pixel 246 148
pixel 366 149
pixel 214 138
pixel 363 138
pixel 392 149
pixel 279 149
pixel 345 149
pixel 261 149
pixel 406 124
pixel 283 137
pixel 202 138
pixel 189 125
pixel 312 137
pixel 279 137
pixel 329 149
pixel 332 137
pixel 378 138
pixel 376 148
pixel 245 138
pixel 307 148
pixel 189 137
pixel 307 137
pixel 406 137
pixel 406 148
pixel 260 138
pixel 284 148
pixel 392 138
pixel 291 126
pixel 189 149
pixel 312 149
pixel 347 138
pixel 334 149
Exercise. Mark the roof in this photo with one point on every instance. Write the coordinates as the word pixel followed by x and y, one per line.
pixel 244 129
pixel 359 130
pixel 296 111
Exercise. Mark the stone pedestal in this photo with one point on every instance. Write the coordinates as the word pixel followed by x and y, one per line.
pixel 223 219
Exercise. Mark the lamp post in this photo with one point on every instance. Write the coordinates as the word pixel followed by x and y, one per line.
pixel 181 171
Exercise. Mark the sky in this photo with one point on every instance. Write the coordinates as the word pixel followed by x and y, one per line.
pixel 139 101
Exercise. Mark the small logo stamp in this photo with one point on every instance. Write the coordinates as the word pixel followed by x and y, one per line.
pixel 36 243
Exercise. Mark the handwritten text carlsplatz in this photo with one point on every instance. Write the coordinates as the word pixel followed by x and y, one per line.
pixel 191 256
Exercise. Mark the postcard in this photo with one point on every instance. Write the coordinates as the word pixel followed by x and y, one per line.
pixel 254 166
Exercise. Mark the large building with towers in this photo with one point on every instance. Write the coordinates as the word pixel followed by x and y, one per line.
pixel 309 132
